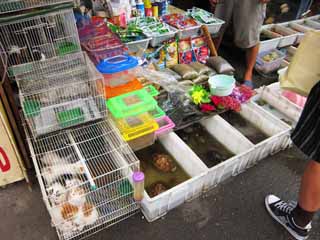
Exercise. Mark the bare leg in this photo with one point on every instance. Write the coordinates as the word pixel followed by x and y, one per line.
pixel 251 56
pixel 309 198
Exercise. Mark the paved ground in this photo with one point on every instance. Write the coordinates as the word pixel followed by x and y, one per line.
pixel 234 210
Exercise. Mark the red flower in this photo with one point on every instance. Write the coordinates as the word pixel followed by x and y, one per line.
pixel 207 107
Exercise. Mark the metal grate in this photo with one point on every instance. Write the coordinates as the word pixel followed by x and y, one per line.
pixel 85 178
pixel 35 37
pixel 8 6
pixel 66 92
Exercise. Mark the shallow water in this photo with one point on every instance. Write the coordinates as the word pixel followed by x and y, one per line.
pixel 208 149
pixel 153 175
pixel 254 134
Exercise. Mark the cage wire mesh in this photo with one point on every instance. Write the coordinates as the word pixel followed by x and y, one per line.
pixel 85 178
pixel 60 93
pixel 38 35
pixel 8 6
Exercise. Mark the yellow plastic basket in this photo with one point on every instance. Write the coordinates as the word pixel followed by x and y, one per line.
pixel 136 126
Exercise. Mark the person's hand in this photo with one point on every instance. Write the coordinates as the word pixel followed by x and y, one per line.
pixel 264 1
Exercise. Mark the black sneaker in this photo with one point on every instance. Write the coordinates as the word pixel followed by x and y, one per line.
pixel 281 212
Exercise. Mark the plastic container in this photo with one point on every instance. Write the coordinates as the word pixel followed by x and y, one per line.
pixel 139 46
pixel 269 66
pixel 137 126
pixel 157 112
pixel 102 47
pixel 118 70
pixel 138 186
pixel 221 85
pixel 158 39
pixel 269 44
pixel 152 90
pixel 166 125
pixel 131 104
pixel 110 92
pixel 158 206
pixel 142 142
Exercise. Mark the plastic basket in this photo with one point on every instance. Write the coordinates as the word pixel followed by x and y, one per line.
pixel 166 125
pixel 111 92
pixel 138 46
pixel 130 104
pixel 157 112
pixel 267 67
pixel 136 126
pixel 158 39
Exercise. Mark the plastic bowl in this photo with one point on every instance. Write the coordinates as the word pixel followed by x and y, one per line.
pixel 221 85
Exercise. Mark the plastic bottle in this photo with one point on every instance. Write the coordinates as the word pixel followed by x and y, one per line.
pixel 140 8
pixel 138 185
pixel 133 8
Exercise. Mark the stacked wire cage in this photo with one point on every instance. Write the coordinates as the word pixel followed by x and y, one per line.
pixel 85 178
pixel 61 92
pixel 9 6
pixel 83 166
pixel 38 35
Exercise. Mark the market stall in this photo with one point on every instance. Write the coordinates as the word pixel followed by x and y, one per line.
pixel 128 106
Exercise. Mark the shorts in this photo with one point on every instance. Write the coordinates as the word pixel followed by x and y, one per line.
pixel 306 135
pixel 247 17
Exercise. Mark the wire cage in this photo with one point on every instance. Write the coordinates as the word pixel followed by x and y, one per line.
pixel 38 35
pixel 8 6
pixel 66 92
pixel 85 175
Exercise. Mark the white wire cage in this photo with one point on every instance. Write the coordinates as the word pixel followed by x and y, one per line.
pixel 85 178
pixel 8 6
pixel 38 35
pixel 66 92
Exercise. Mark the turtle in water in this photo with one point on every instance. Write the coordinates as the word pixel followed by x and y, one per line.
pixel 157 188
pixel 163 163
pixel 214 156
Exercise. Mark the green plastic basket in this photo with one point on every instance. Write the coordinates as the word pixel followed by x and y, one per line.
pixel 157 112
pixel 151 90
pixel 31 108
pixel 70 117
pixel 131 104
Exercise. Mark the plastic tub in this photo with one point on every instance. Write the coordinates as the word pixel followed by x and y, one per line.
pixel 138 46
pixel 158 39
pixel 110 92
pixel 269 44
pixel 158 206
pixel 221 85
pixel 166 125
pixel 102 47
pixel 131 104
pixel 142 142
pixel 118 70
pixel 136 127
pixel 269 66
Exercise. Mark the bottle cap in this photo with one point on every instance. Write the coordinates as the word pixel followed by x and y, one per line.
pixel 138 177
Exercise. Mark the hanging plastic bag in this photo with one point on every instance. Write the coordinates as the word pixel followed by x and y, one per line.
pixel 304 72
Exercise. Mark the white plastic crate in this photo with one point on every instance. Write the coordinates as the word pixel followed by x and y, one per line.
pixel 285 40
pixel 272 94
pixel 235 142
pixel 295 34
pixel 138 46
pixel 278 131
pixel 157 40
pixel 189 32
pixel 156 207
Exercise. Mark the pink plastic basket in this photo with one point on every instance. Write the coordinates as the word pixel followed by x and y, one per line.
pixel 166 125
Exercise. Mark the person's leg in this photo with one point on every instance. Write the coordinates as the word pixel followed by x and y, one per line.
pixel 251 56
pixel 309 197
pixel 223 10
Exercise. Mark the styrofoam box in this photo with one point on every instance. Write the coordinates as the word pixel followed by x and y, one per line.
pixel 272 94
pixel 158 206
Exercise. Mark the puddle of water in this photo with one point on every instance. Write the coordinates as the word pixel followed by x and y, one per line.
pixel 208 149
pixel 157 181
pixel 254 134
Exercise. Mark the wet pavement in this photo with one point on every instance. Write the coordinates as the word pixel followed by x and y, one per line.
pixel 233 210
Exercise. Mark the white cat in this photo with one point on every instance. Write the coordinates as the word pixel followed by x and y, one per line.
pixel 51 158
pixel 57 194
